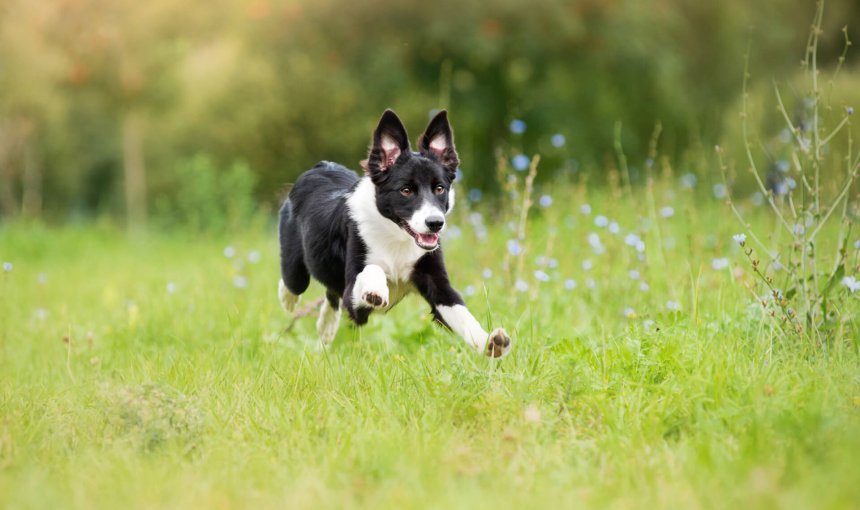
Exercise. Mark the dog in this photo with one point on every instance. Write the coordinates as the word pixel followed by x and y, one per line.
pixel 372 240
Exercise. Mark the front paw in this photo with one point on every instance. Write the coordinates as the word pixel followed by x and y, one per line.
pixel 499 344
pixel 375 299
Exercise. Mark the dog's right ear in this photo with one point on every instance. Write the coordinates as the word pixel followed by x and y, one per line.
pixel 389 142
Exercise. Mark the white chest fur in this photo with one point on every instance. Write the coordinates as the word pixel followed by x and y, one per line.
pixel 388 246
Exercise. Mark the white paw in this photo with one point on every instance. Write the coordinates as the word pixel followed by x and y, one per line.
pixel 375 299
pixel 371 288
pixel 288 299
pixel 498 344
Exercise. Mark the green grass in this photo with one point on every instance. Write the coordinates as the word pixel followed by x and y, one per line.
pixel 115 392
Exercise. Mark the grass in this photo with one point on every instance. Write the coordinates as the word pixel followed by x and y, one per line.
pixel 154 372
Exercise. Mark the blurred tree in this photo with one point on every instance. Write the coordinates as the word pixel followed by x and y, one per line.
pixel 29 103
pixel 122 57
pixel 102 100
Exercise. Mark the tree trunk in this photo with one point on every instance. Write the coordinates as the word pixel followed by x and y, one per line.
pixel 134 171
pixel 31 200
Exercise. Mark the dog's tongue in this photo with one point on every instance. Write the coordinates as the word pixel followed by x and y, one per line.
pixel 428 239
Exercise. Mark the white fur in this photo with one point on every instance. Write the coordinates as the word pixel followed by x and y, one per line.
pixel 327 323
pixel 371 279
pixel 450 201
pixel 288 299
pixel 419 218
pixel 388 245
pixel 464 324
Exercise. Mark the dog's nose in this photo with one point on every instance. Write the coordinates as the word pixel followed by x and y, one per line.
pixel 435 223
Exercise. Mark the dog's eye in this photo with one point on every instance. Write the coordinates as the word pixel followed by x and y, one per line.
pixel 406 192
pixel 439 189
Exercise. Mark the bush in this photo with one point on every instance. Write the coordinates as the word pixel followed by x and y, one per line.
pixel 206 198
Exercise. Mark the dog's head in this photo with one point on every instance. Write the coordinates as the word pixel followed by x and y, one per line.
pixel 413 189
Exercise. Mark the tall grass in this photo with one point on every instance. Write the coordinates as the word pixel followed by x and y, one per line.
pixel 803 271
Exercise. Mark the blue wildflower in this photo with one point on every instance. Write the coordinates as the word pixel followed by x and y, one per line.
pixel 520 162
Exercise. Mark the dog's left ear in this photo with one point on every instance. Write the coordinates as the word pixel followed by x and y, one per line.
pixel 438 142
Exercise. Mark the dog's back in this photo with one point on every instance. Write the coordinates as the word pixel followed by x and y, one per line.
pixel 313 228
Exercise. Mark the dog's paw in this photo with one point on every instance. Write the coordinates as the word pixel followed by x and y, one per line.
pixel 288 299
pixel 375 299
pixel 499 344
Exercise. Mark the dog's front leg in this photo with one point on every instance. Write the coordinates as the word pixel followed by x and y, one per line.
pixel 431 280
pixel 366 290
pixel 371 288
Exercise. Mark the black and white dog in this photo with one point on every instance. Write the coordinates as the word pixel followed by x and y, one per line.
pixel 372 240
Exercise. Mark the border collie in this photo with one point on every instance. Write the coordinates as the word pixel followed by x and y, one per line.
pixel 372 240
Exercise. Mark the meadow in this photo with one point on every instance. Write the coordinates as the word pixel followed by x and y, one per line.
pixel 159 371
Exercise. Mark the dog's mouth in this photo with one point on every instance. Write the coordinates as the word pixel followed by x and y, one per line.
pixel 424 241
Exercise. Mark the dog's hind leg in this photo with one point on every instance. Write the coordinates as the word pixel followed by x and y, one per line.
pixel 294 274
pixel 329 319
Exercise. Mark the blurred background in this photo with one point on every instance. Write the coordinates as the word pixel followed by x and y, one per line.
pixel 191 112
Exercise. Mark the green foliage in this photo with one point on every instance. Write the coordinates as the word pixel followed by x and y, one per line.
pixel 205 198
pixel 283 84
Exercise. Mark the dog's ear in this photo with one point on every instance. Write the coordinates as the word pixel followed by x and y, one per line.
pixel 389 142
pixel 438 142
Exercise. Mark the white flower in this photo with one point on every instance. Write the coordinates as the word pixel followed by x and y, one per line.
pixel 852 283
pixel 585 209
pixel 614 228
pixel 601 221
pixel 171 288
pixel 633 274
pixel 587 265
pixel 487 273
pixel 254 257
pixel 229 252
pixel 741 239
pixel 629 313
pixel 667 212
pixel 757 198
pixel 545 201
pixel 558 140
pixel 521 286
pixel 688 181
pixel 720 191
pixel 673 306
pixel 590 283
pixel 7 267
pixel 631 239
pixel 644 287
pixel 469 290
pixel 240 282
pixel 720 263
pixel 514 247
pixel 541 276
pixel 570 284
